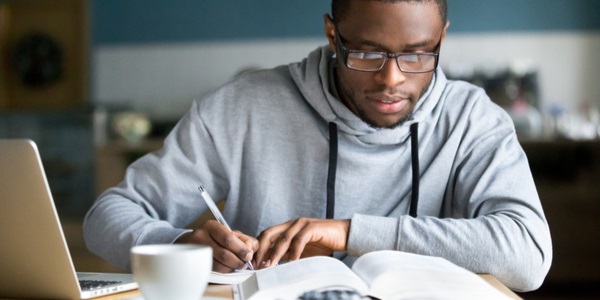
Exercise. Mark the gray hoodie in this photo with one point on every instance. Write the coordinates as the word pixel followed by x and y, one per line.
pixel 262 142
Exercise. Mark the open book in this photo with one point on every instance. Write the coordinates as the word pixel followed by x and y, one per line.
pixel 229 278
pixel 380 274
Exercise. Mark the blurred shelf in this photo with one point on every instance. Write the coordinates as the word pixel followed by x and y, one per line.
pixel 113 158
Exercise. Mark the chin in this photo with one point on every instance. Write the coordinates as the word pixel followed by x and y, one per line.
pixel 388 123
pixel 396 124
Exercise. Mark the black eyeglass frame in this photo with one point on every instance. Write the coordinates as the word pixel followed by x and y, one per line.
pixel 386 55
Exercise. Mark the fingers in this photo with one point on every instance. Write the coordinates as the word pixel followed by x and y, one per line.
pixel 234 248
pixel 266 240
pixel 288 241
pixel 291 242
pixel 231 250
pixel 229 253
pixel 283 242
pixel 301 238
pixel 251 244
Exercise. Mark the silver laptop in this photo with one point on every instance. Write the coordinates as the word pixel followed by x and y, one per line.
pixel 34 259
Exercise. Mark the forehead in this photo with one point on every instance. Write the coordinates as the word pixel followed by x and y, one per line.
pixel 408 21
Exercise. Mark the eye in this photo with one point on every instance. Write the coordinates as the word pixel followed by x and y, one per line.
pixel 411 58
pixel 365 55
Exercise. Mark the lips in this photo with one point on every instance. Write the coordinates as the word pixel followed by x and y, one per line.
pixel 388 105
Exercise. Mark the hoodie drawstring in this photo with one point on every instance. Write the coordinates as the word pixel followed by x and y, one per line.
pixel 414 154
pixel 333 151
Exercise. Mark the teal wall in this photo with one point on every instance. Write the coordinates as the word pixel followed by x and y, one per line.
pixel 170 21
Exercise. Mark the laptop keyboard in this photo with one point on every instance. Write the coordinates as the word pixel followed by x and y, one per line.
pixel 88 285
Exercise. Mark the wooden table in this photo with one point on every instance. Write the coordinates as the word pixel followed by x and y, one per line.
pixel 212 291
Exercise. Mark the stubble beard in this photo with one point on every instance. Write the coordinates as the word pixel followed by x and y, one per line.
pixel 350 96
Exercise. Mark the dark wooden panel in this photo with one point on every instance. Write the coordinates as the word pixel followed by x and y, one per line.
pixel 567 176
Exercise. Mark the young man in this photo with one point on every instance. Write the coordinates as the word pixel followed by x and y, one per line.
pixel 362 146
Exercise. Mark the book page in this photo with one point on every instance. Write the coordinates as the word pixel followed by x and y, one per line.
pixel 401 275
pixel 229 278
pixel 292 279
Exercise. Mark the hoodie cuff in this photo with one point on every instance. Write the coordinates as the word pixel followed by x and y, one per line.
pixel 372 233
pixel 161 235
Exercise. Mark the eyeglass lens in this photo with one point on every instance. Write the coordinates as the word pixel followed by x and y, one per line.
pixel 418 62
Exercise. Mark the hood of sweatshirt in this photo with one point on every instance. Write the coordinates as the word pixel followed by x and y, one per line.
pixel 314 78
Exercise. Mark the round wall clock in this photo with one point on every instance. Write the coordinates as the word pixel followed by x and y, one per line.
pixel 38 60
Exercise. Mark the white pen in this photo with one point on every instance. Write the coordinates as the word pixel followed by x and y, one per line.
pixel 215 211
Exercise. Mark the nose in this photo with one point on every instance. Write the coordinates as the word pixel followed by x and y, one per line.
pixel 390 74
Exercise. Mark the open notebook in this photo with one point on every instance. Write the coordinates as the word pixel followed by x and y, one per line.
pixel 34 259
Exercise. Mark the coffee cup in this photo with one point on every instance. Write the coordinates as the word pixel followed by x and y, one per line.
pixel 171 271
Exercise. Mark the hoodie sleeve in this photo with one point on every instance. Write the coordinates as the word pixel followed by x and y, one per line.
pixel 492 221
pixel 158 196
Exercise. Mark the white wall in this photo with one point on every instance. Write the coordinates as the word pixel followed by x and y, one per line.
pixel 568 64
pixel 163 79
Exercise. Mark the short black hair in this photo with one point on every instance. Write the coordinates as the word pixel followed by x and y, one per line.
pixel 340 7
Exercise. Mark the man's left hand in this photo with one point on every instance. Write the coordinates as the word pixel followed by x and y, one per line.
pixel 298 238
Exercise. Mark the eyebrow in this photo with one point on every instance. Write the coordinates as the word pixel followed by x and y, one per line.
pixel 421 44
pixel 411 46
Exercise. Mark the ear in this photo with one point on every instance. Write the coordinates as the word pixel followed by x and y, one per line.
pixel 330 31
pixel 444 31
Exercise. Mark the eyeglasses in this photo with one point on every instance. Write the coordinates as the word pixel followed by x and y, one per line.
pixel 367 61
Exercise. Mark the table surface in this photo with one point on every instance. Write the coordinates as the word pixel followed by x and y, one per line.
pixel 225 291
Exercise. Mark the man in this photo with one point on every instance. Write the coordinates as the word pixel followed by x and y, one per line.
pixel 368 149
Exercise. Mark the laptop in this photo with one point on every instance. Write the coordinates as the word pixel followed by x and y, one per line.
pixel 34 258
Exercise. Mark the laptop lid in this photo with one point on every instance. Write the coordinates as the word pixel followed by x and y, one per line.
pixel 34 258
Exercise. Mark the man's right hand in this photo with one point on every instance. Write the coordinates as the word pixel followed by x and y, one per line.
pixel 231 249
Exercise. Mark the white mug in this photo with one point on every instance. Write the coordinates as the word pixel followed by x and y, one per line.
pixel 171 271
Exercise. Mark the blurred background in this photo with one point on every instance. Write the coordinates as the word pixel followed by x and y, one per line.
pixel 97 83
